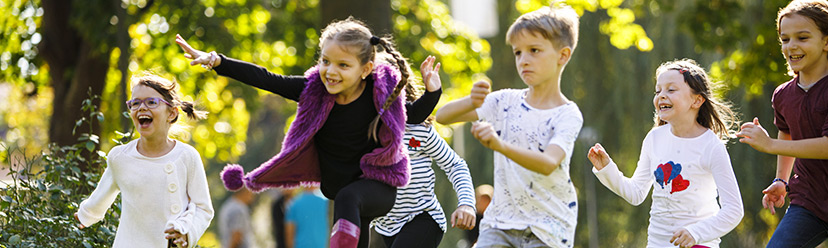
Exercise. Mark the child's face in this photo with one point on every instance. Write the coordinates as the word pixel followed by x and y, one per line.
pixel 536 58
pixel 341 71
pixel 674 100
pixel 804 46
pixel 150 122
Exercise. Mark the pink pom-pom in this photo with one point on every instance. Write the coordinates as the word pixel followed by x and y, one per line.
pixel 232 176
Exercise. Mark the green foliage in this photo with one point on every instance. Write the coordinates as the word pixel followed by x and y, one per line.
pixel 39 203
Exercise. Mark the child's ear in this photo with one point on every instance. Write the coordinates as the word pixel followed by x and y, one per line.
pixel 825 43
pixel 698 101
pixel 566 54
pixel 173 114
pixel 367 69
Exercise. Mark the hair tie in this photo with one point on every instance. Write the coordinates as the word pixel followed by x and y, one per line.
pixel 682 70
pixel 375 40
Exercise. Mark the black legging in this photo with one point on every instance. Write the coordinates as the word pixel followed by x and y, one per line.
pixel 362 201
pixel 422 231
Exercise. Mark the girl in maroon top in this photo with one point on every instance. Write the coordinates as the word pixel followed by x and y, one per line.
pixel 801 115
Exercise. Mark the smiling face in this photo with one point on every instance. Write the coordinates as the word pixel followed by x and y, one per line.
pixel 151 122
pixel 804 46
pixel 674 99
pixel 341 71
pixel 536 58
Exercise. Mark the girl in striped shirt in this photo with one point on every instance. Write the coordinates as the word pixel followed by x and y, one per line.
pixel 417 218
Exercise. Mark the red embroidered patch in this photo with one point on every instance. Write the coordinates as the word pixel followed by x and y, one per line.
pixel 413 143
pixel 679 184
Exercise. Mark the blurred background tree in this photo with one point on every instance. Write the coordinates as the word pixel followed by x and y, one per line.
pixel 52 51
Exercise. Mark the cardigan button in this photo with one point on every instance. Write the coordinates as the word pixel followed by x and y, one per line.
pixel 168 168
pixel 175 208
pixel 172 187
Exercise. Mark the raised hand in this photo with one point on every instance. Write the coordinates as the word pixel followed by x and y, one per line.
pixel 431 74
pixel 682 238
pixel 753 134
pixel 486 134
pixel 178 239
pixel 774 196
pixel 207 60
pixel 598 156
pixel 463 218
pixel 478 93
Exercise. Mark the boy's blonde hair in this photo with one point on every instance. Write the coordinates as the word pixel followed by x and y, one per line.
pixel 558 24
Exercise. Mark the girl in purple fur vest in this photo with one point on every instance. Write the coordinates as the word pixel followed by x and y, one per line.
pixel 347 135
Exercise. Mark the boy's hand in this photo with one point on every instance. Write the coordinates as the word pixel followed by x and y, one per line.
pixel 179 239
pixel 463 218
pixel 753 134
pixel 431 75
pixel 478 93
pixel 486 134
pixel 598 156
pixel 682 238
pixel 774 196
pixel 198 57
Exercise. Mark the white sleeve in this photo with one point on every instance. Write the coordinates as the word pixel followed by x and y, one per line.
pixel 566 130
pixel 730 199
pixel 94 208
pixel 489 109
pixel 634 190
pixel 454 166
pixel 196 218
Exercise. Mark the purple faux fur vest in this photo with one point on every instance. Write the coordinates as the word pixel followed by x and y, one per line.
pixel 298 163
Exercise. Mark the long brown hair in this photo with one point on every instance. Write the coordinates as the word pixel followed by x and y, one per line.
pixel 356 35
pixel 714 113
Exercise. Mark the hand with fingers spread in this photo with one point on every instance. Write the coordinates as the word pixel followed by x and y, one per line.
pixel 478 93
pixel 753 134
pixel 431 74
pixel 774 196
pixel 683 239
pixel 598 156
pixel 205 59
pixel 463 218
pixel 178 239
pixel 486 134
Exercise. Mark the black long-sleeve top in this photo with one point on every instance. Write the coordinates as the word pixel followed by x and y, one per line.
pixel 343 139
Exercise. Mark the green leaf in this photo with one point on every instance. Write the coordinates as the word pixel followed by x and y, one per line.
pixel 90 146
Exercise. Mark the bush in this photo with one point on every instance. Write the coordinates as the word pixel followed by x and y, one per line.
pixel 38 206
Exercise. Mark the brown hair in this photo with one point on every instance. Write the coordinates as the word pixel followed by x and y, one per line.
pixel 356 35
pixel 558 24
pixel 714 113
pixel 816 10
pixel 169 91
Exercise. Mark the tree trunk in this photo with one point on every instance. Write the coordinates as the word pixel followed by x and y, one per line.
pixel 375 13
pixel 75 67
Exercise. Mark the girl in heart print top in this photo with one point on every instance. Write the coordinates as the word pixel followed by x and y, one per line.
pixel 684 160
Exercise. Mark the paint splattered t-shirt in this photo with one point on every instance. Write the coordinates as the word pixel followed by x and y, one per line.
pixel 686 175
pixel 522 198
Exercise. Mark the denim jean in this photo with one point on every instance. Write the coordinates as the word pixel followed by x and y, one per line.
pixel 799 228
pixel 497 238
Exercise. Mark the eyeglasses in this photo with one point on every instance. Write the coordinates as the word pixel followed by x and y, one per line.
pixel 151 102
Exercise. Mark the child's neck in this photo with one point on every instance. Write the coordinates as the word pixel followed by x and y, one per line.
pixel 687 129
pixel 807 78
pixel 545 96
pixel 155 146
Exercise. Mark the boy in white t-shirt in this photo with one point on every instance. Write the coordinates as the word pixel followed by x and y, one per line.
pixel 532 132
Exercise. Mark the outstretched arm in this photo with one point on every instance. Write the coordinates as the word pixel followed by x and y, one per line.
pixel 753 134
pixel 419 110
pixel 462 110
pixel 634 190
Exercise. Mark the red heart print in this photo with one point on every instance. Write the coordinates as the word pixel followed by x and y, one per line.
pixel 679 184
pixel 413 143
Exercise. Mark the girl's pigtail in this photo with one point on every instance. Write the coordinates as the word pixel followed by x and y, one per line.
pixel 189 108
pixel 402 64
